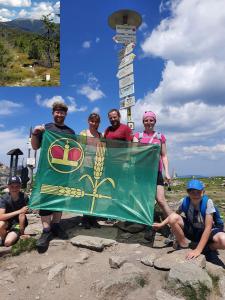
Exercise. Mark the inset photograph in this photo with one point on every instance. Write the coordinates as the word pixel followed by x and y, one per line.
pixel 29 43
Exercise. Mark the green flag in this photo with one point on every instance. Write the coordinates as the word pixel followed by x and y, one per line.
pixel 108 178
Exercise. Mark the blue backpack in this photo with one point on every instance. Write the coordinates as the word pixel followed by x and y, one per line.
pixel 218 221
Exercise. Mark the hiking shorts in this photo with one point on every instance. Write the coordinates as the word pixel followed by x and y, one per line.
pixel 160 180
pixel 195 234
pixel 44 213
pixel 13 225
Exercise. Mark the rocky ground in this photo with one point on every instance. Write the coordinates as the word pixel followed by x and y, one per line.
pixel 107 263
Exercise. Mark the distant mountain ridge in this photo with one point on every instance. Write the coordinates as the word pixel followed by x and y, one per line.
pixel 28 25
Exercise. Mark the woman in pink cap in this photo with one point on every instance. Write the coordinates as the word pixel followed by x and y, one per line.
pixel 150 136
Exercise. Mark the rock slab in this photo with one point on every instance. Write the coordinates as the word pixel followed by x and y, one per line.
pixel 117 286
pixel 167 261
pixel 116 262
pixel 149 260
pixel 189 277
pixel 92 242
pixel 56 271
pixel 163 295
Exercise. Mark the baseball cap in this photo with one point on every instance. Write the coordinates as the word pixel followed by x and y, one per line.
pixel 195 184
pixel 14 179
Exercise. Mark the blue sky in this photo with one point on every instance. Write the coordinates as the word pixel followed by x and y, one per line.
pixel 179 74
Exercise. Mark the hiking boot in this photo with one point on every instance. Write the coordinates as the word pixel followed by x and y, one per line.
pixel 95 224
pixel 59 232
pixel 170 240
pixel 86 225
pixel 150 235
pixel 43 241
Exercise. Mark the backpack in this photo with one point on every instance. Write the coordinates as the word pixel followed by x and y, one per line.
pixel 157 135
pixel 218 221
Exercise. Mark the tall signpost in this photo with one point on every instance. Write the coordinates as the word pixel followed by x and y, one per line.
pixel 126 22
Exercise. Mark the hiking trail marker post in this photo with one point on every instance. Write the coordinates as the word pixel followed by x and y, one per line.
pixel 126 22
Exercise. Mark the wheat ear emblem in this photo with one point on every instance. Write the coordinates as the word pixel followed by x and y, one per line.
pixel 98 169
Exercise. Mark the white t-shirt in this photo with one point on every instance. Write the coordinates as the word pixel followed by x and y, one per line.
pixel 194 214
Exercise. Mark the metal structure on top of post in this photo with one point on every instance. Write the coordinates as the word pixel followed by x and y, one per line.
pixel 126 22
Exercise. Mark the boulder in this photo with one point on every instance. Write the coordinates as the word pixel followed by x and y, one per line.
pixel 189 279
pixel 163 295
pixel 91 242
pixel 116 262
pixel 166 261
pixel 56 271
pixel 117 286
pixel 149 259
pixel 81 258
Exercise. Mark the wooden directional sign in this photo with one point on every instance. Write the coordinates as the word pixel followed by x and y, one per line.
pixel 127 102
pixel 125 81
pixel 126 91
pixel 125 29
pixel 125 71
pixel 124 39
pixel 125 51
pixel 127 60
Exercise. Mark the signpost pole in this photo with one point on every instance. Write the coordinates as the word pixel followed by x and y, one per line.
pixel 126 22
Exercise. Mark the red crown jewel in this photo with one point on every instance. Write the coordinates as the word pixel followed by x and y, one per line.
pixel 74 154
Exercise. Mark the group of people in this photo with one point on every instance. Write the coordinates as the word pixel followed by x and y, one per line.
pixel 192 221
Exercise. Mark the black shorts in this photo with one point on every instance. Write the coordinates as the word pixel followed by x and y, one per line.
pixel 195 235
pixel 13 225
pixel 44 213
pixel 160 180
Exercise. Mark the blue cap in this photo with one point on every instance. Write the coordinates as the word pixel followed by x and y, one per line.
pixel 195 185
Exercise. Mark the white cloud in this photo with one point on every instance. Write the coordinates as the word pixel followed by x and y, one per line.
pixel 91 93
pixel 196 30
pixel 16 3
pixel 97 40
pixel 2 125
pixel 91 89
pixel 4 12
pixel 143 26
pixel 96 110
pixel 23 13
pixel 8 107
pixel 11 139
pixel 86 44
pixel 72 106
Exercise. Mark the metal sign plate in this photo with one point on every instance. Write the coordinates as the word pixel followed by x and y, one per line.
pixel 125 51
pixel 125 81
pixel 127 102
pixel 124 39
pixel 127 60
pixel 125 29
pixel 125 71
pixel 126 91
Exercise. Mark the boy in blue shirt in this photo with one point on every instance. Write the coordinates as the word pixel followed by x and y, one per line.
pixel 196 221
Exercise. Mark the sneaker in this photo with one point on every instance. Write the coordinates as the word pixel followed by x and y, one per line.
pixel 150 235
pixel 59 232
pixel 95 224
pixel 43 241
pixel 170 240
pixel 86 225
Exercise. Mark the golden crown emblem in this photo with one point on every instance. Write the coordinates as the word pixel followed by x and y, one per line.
pixel 65 156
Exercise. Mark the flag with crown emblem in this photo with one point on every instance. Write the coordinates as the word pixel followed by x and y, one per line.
pixel 107 178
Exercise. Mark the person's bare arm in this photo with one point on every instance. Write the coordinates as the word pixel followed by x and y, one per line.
pixel 204 239
pixel 165 162
pixel 5 217
pixel 35 141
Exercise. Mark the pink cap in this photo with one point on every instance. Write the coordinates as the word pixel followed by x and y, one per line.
pixel 149 114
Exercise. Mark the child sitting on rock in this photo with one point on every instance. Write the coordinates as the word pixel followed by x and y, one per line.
pixel 197 220
pixel 13 209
